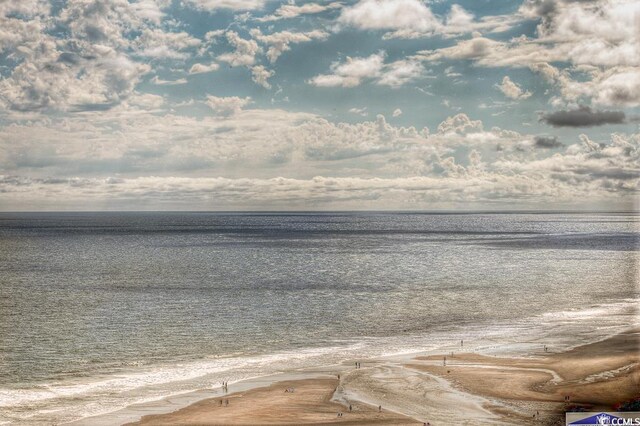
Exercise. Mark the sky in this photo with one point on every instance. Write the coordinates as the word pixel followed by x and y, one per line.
pixel 327 105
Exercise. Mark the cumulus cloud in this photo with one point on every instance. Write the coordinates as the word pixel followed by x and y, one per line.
pixel 281 42
pixel 287 11
pixel 354 71
pixel 547 142
pixel 227 105
pixel 351 72
pixel 151 10
pixel 167 158
pixel 390 15
pixel 400 72
pixel 95 63
pixel 616 87
pixel 77 124
pixel 582 116
pixel 227 4
pixel 600 36
pixel 511 90
pixel 458 17
pixel 414 19
pixel 155 43
pixel 203 68
pixel 460 124
pixel 260 75
pixel 607 172
pixel 245 51
pixel 476 48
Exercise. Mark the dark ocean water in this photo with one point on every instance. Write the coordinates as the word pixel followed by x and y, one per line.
pixel 99 310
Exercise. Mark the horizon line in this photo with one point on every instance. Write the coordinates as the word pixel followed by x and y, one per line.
pixel 443 211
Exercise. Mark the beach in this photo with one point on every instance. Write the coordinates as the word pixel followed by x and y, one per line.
pixel 472 388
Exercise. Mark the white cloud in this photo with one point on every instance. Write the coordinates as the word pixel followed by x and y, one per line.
pixel 351 72
pixel 159 82
pixel 460 124
pixel 94 64
pixel 617 86
pixel 74 115
pixel 227 4
pixel 147 101
pixel 288 11
pixel 155 43
pixel 226 106
pixel 414 19
pixel 359 111
pixel 245 51
pixel 511 90
pixel 458 17
pixel 475 48
pixel 260 75
pixel 169 159
pixel 600 36
pixel 203 68
pixel 400 72
pixel 390 15
pixel 151 10
pixel 280 42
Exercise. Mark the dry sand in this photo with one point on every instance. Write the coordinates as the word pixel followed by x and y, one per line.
pixel 470 389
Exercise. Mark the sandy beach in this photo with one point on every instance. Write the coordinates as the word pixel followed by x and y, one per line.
pixel 471 388
pixel 290 402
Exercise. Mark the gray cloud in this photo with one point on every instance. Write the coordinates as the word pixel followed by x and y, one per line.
pixel 547 142
pixel 583 116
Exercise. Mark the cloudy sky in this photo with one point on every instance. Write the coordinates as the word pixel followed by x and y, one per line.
pixel 327 105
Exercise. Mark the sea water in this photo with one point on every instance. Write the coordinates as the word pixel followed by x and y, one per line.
pixel 102 310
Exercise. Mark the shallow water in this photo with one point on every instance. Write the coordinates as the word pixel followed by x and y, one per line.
pixel 101 310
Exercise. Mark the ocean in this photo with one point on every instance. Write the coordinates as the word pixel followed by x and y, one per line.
pixel 99 311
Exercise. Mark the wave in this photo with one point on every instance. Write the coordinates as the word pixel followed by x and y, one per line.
pixel 84 397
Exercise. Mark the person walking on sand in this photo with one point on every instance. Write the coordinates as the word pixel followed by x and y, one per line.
pixel 444 361
pixel 379 408
pixel 350 408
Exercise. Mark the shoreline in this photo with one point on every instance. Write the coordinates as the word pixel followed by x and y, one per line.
pixel 562 330
pixel 380 382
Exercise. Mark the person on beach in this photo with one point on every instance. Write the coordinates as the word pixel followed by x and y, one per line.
pixel 226 402
pixel 379 408
pixel 461 343
pixel 350 408
pixel 444 361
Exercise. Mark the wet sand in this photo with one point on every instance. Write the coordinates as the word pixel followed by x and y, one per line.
pixel 471 389
pixel 595 376
pixel 309 403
